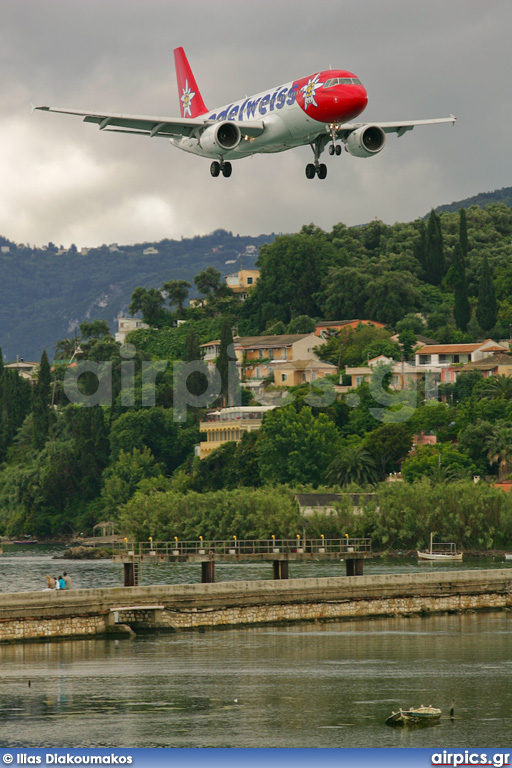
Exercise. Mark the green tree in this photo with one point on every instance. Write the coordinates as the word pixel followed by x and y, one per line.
pixel 388 445
pixel 353 464
pixel 177 292
pixel 226 365
pixel 407 339
pixel 301 324
pixel 296 446
pixel 209 282
pixel 499 449
pixel 456 277
pixel 487 308
pixel 497 387
pixel 41 404
pixel 197 381
pixel 391 298
pixel 123 477
pixel 434 250
pixel 463 232
pixel 150 303
pixel 96 329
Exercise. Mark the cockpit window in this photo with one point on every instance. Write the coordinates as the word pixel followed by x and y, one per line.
pixel 342 81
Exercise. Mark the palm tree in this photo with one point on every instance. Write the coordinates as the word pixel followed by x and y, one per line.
pixel 499 444
pixel 353 465
pixel 496 387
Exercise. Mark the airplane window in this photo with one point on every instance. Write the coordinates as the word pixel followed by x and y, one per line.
pixel 356 81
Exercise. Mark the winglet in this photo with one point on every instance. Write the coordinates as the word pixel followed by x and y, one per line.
pixel 191 102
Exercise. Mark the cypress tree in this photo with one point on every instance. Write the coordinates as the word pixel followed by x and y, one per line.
pixel 41 404
pixel 197 381
pixel 225 365
pixel 463 232
pixel 421 244
pixel 457 275
pixel 487 308
pixel 434 251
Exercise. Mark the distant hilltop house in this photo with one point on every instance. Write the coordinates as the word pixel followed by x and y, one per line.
pixel 150 251
pixel 242 281
pixel 26 370
pixel 262 357
pixel 126 325
pixel 4 249
pixel 327 328
pixel 229 424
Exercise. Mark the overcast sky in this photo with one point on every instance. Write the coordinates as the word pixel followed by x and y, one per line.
pixel 64 181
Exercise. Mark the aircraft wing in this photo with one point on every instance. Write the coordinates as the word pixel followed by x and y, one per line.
pixel 394 127
pixel 166 127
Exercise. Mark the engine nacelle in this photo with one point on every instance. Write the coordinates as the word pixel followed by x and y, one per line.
pixel 366 141
pixel 220 138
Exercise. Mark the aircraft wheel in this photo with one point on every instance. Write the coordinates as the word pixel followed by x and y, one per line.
pixel 310 171
pixel 338 149
pixel 332 149
pixel 322 171
pixel 215 168
pixel 227 170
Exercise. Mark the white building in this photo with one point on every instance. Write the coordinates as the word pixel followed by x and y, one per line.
pixel 126 325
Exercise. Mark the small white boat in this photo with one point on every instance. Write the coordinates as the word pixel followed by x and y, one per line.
pixel 445 551
pixel 415 716
pixel 508 555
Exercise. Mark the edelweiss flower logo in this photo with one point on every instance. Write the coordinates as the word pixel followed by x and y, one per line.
pixel 309 91
pixel 186 100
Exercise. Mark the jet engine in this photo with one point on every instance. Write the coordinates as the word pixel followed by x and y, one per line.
pixel 220 138
pixel 365 141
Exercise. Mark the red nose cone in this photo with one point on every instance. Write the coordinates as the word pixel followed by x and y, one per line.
pixel 331 97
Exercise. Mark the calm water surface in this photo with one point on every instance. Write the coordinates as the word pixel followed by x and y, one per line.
pixel 328 685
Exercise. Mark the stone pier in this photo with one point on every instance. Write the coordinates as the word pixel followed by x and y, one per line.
pixel 50 615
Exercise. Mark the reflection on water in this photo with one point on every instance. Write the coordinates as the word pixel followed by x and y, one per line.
pixel 327 685
pixel 23 569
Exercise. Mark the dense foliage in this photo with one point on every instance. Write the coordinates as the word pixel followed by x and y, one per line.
pixel 131 459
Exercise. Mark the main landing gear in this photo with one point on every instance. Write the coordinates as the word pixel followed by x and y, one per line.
pixel 317 168
pixel 225 167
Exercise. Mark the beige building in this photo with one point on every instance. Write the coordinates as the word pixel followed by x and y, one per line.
pixel 242 281
pixel 296 372
pixel 229 424
pixel 258 356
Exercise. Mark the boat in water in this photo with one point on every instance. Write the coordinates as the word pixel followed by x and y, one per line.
pixel 445 551
pixel 415 716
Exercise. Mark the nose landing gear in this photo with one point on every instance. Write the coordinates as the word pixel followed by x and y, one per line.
pixel 225 167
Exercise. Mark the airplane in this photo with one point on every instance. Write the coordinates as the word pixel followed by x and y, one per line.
pixel 318 110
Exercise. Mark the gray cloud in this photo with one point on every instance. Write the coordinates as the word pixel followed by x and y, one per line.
pixel 64 181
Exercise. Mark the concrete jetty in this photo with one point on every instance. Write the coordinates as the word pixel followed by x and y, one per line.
pixel 50 615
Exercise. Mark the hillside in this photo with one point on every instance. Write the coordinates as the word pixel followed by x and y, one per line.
pixel 483 199
pixel 44 295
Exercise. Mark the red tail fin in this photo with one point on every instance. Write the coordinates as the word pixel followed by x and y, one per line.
pixel 191 102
